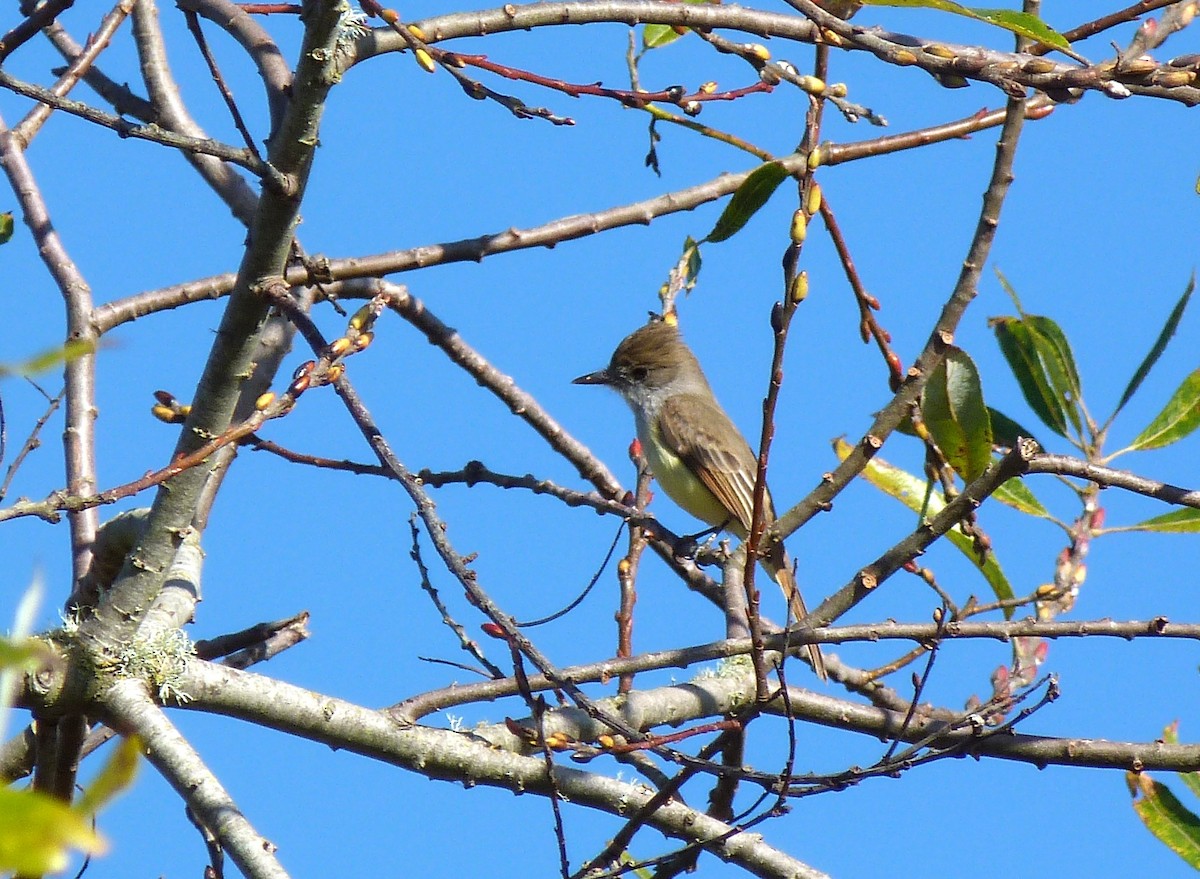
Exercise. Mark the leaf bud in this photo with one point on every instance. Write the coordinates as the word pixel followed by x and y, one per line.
pixel 799 291
pixel 812 200
pixel 799 228
pixel 362 318
pixel 811 84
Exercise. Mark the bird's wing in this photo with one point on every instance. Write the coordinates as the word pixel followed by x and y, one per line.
pixel 688 425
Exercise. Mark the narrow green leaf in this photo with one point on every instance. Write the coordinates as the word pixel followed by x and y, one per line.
pixel 1020 23
pixel 1191 779
pixel 1178 418
pixel 1019 349
pixel 655 36
pixel 37 833
pixel 1159 346
pixel 1166 817
pixel 1059 363
pixel 911 491
pixel 1005 431
pixel 1186 521
pixel 953 408
pixel 6 227
pixel 750 196
pixel 1016 494
pixel 691 251
pixel 1010 290
pixel 49 359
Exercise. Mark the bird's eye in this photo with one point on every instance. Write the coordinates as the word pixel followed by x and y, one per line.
pixel 638 373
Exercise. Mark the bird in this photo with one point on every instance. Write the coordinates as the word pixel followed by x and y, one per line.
pixel 696 453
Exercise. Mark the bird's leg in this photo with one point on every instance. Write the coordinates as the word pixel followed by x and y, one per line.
pixel 688 545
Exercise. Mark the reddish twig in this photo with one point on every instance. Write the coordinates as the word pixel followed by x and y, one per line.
pixel 193 26
pixel 33 441
pixel 869 327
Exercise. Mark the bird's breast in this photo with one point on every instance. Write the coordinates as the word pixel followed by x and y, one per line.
pixel 678 481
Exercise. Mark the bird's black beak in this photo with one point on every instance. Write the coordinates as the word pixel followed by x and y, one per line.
pixel 599 377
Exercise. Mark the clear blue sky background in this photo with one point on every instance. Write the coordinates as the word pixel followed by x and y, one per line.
pixel 1099 233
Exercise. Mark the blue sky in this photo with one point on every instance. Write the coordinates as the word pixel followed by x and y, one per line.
pixel 1099 233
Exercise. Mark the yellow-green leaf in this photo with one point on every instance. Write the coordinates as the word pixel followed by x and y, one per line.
pixel 38 832
pixel 914 493
pixel 1171 737
pixel 1016 494
pixel 118 773
pixel 48 359
pixel 655 36
pixel 1185 521
pixel 754 192
pixel 1178 418
pixel 22 653
pixel 1164 816
pixel 6 227
pixel 1022 24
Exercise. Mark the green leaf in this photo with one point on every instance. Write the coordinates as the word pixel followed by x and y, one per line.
pixel 1010 290
pixel 750 196
pixel 1171 737
pixel 1022 24
pixel 6 227
pixel 1178 418
pixel 1005 431
pixel 1059 361
pixel 953 408
pixel 118 773
pixel 1185 521
pixel 691 262
pixel 1165 817
pixel 1016 344
pixel 48 359
pixel 1040 357
pixel 911 491
pixel 22 653
pixel 655 36
pixel 1016 494
pixel 1159 346
pixel 37 833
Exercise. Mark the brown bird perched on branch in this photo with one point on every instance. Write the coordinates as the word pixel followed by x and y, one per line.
pixel 695 451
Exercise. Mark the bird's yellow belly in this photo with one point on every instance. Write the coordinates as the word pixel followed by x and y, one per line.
pixel 683 486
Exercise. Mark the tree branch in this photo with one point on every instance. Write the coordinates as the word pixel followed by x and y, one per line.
pixel 130 710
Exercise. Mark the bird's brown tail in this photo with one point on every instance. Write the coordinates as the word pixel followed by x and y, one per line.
pixel 778 565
